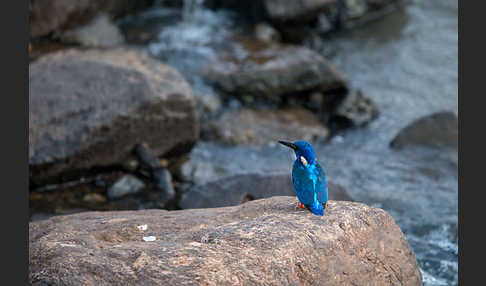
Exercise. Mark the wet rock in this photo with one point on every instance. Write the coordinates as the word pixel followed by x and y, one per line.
pixel 266 33
pixel 293 18
pixel 126 185
pixel 356 110
pixel 234 190
pixel 200 171
pixel 304 11
pixel 100 32
pixel 146 157
pixel 163 184
pixel 354 12
pixel 208 104
pixel 91 108
pixel 268 241
pixel 438 130
pixel 256 70
pixel 263 126
pixel 54 16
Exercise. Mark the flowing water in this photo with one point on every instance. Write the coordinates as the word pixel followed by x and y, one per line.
pixel 407 63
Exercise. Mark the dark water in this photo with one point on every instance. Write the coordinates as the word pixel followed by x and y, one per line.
pixel 407 63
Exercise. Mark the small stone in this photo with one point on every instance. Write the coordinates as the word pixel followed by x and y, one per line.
pixel 142 227
pixel 146 156
pixel 163 184
pixel 130 165
pixel 149 238
pixel 356 110
pixel 164 163
pixel 266 33
pixel 126 185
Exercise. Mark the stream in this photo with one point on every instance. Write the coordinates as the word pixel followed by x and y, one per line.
pixel 407 63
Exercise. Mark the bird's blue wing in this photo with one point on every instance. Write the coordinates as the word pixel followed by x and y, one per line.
pixel 303 185
pixel 321 184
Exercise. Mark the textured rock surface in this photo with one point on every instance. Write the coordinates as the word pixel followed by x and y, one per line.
pixel 53 16
pixel 233 190
pixel 267 241
pixel 90 108
pixel 437 130
pixel 356 110
pixel 249 126
pixel 271 71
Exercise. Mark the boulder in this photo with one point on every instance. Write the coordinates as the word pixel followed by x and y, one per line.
pixel 257 70
pixel 48 17
pixel 438 130
pixel 269 241
pixel 264 126
pixel 233 190
pixel 90 108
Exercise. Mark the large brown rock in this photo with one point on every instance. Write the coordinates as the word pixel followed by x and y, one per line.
pixel 233 190
pixel 269 241
pixel 90 108
pixel 258 70
pixel 263 126
pixel 53 16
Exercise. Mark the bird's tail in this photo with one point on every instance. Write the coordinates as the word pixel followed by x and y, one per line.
pixel 317 209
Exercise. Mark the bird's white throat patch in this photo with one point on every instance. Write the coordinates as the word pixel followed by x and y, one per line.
pixel 303 160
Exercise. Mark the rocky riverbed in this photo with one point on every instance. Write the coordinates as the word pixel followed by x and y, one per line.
pixel 178 105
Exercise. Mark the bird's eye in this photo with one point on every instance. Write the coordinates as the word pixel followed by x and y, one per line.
pixel 303 160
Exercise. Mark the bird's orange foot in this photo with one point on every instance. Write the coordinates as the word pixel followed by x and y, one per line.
pixel 301 206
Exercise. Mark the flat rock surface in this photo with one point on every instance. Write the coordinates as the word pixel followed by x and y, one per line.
pixel 233 190
pixel 268 241
pixel 90 108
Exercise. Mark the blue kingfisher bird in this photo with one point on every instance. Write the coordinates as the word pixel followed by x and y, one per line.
pixel 308 177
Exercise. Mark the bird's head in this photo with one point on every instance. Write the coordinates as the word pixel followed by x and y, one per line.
pixel 303 150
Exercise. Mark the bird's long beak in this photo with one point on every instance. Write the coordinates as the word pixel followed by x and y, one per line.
pixel 288 144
